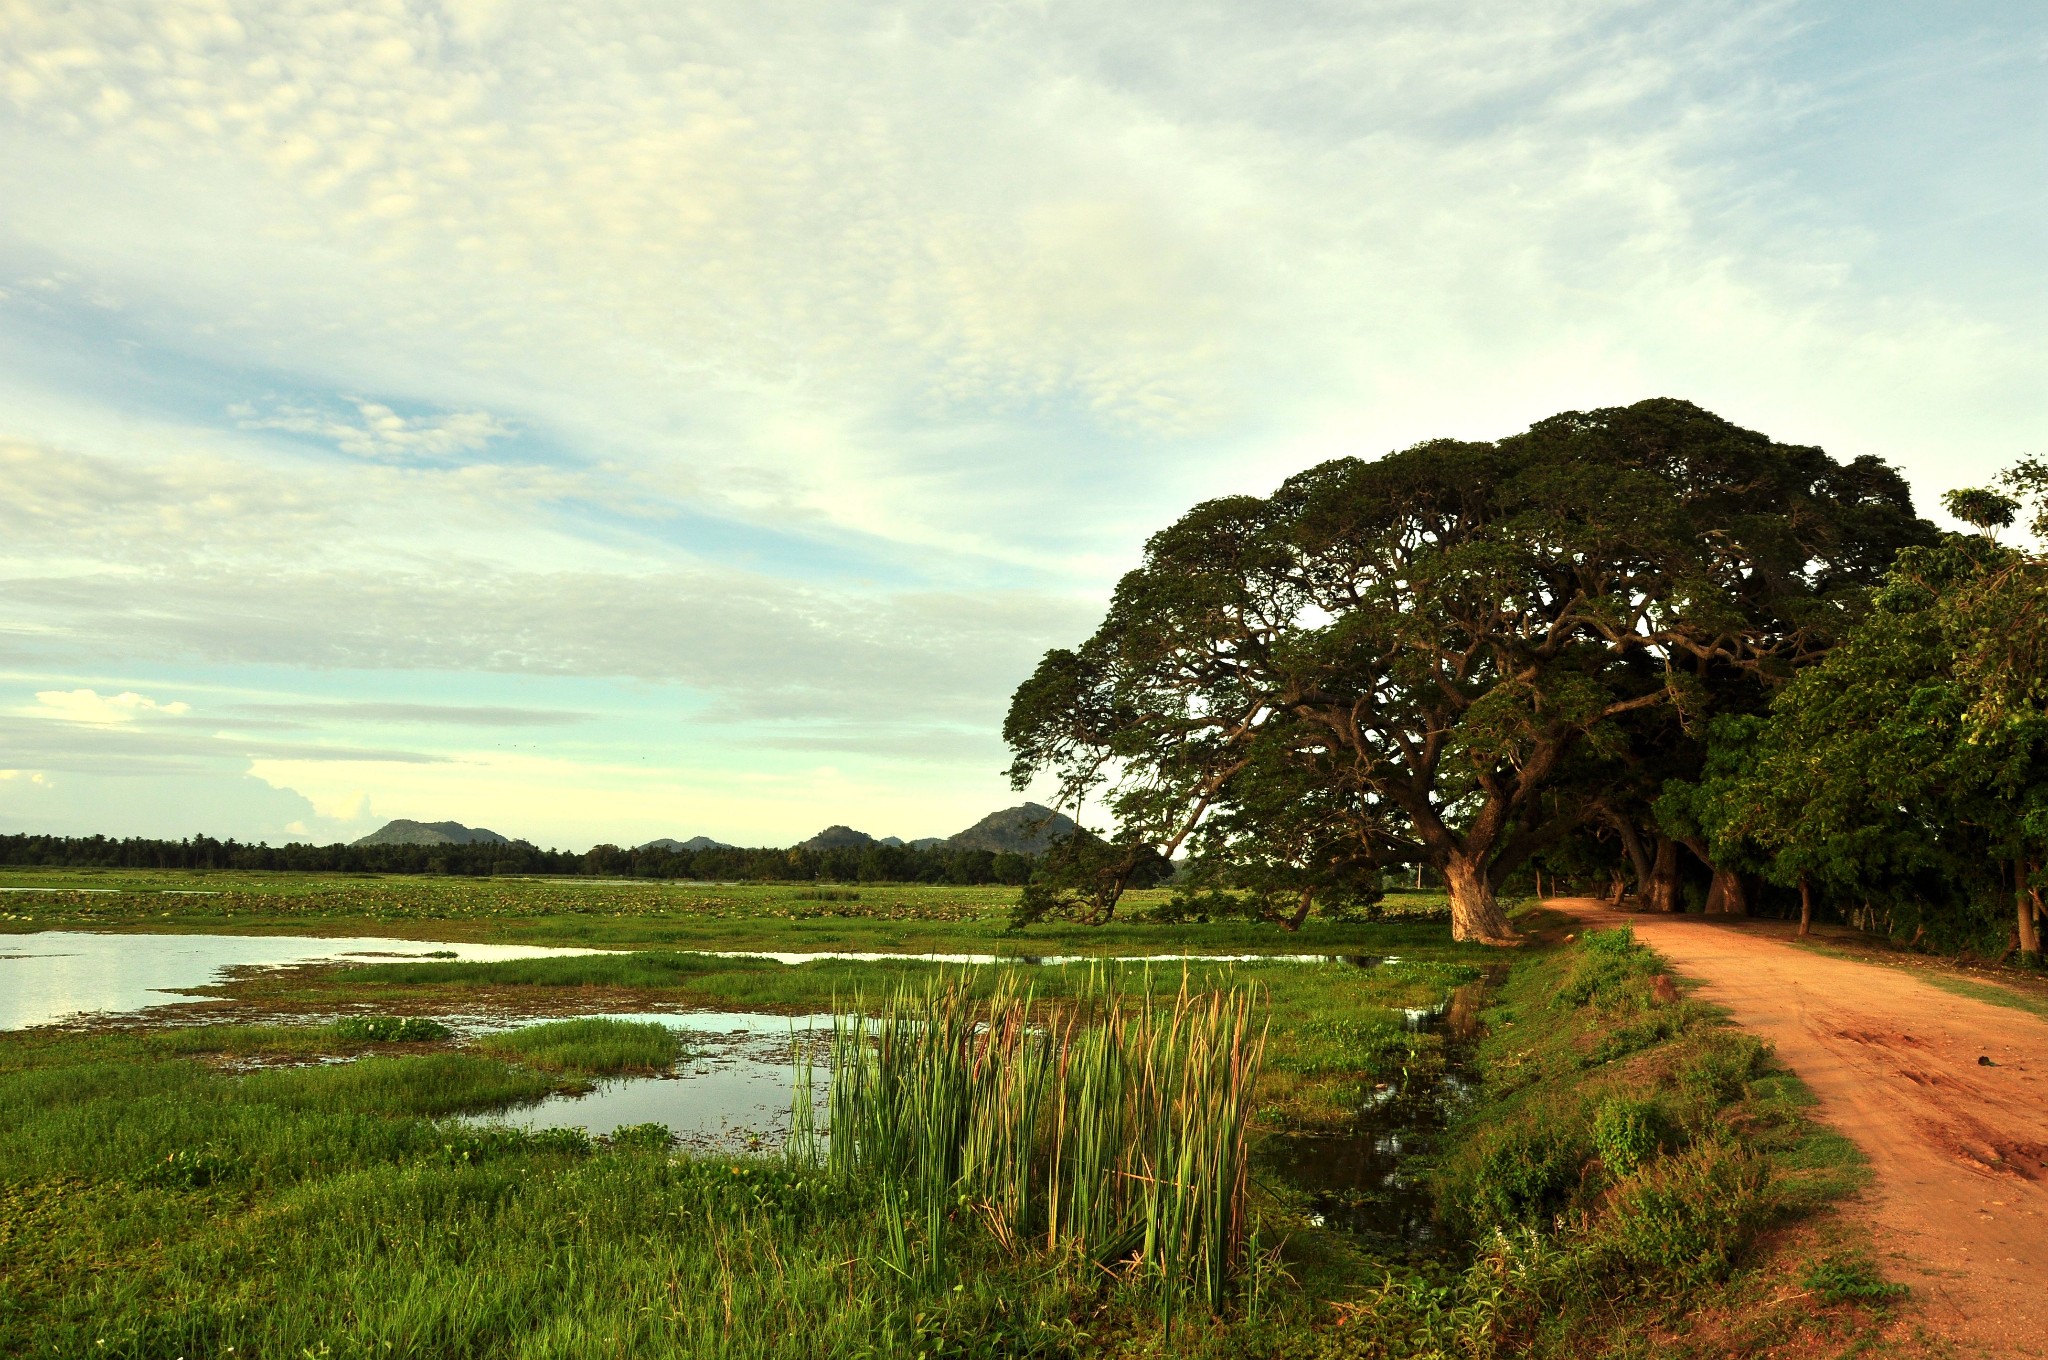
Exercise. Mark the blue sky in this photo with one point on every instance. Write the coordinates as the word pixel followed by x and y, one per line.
pixel 610 421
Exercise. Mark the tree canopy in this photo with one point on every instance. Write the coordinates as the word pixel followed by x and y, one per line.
pixel 1445 655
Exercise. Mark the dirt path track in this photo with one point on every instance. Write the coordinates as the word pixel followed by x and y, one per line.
pixel 1959 1149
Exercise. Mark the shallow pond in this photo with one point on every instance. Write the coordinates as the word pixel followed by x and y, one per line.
pixel 54 975
pixel 735 1090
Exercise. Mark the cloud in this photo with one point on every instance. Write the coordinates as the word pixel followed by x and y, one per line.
pixel 36 777
pixel 451 715
pixel 380 432
pixel 90 706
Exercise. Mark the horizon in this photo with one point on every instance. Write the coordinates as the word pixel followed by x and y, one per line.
pixel 622 424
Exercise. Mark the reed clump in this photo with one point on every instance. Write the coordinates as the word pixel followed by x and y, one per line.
pixel 1111 1131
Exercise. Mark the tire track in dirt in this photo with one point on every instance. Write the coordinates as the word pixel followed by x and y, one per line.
pixel 1958 1148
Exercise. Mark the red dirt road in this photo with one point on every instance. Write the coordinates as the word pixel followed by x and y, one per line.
pixel 1959 1149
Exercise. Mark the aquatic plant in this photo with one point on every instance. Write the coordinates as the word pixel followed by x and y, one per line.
pixel 1111 1130
pixel 390 1029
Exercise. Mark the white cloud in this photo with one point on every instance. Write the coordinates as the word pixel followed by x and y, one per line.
pixel 90 706
pixel 380 432
pixel 26 776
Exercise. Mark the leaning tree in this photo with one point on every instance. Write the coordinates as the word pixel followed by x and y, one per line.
pixel 1449 643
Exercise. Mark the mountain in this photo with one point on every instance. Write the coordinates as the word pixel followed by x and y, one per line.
pixel 927 842
pixel 1026 829
pixel 838 838
pixel 694 843
pixel 895 841
pixel 405 832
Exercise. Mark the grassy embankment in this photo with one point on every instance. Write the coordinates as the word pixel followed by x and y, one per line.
pixel 1627 1155
pixel 1638 1178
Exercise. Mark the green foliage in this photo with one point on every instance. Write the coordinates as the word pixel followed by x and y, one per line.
pixel 1440 655
pixel 1606 963
pixel 390 1029
pixel 1846 1276
pixel 596 1047
pixel 1626 1132
pixel 1115 1129
pixel 1527 1173
pixel 1684 1219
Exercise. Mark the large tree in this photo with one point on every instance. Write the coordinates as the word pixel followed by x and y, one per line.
pixel 1434 639
pixel 1908 772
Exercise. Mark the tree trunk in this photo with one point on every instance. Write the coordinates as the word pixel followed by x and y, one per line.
pixel 2030 934
pixel 1616 886
pixel 1805 906
pixel 1292 922
pixel 1638 857
pixel 1475 913
pixel 1725 896
pixel 1660 893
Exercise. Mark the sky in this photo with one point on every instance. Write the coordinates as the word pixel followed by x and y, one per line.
pixel 617 420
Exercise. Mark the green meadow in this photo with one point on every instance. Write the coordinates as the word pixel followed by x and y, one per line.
pixel 1080 1160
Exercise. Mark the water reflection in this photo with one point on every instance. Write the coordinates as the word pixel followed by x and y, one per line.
pixel 734 1091
pixel 54 975
pixel 1362 1179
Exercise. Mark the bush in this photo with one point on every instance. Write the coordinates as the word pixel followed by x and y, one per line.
pixel 1525 1173
pixel 390 1029
pixel 1687 1217
pixel 1720 1070
pixel 1608 961
pixel 1626 1133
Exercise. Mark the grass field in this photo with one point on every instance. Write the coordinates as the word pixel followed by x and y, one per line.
pixel 274 1181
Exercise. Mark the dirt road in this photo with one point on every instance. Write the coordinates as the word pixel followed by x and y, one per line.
pixel 1959 1149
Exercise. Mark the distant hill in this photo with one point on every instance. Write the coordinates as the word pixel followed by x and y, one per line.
pixel 1026 829
pixel 926 843
pixel 694 843
pixel 838 838
pixel 405 832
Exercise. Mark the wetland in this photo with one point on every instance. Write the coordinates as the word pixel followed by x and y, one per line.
pixel 378 1118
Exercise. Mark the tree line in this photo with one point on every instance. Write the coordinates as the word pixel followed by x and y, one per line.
pixel 1639 648
pixel 854 864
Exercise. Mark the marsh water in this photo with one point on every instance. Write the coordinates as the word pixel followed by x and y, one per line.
pixel 736 1089
pixel 55 975
pixel 1362 1178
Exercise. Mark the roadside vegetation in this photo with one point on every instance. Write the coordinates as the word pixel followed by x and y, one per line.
pixel 1619 1176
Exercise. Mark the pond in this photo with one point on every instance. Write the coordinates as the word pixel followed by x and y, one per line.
pixel 734 1092
pixel 55 975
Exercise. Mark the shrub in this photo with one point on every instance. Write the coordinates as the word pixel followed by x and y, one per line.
pixel 1720 1070
pixel 1608 961
pixel 1625 1133
pixel 390 1029
pixel 1523 1173
pixel 1687 1217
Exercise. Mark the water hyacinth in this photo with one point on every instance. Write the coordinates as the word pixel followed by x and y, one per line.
pixel 1110 1130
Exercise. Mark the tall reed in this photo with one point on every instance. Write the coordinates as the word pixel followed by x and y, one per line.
pixel 1111 1129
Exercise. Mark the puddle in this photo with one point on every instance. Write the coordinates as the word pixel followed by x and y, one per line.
pixel 733 1093
pixel 1363 1179
pixel 55 975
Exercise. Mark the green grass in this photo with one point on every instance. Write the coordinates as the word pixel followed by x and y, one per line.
pixel 597 1047
pixel 915 918
pixel 158 1196
pixel 1938 972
